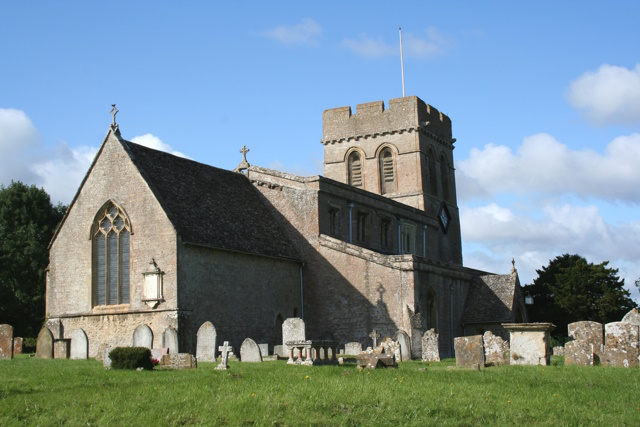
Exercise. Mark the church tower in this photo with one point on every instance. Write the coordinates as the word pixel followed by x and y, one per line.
pixel 404 153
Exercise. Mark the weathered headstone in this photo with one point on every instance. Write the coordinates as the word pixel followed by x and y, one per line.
pixel 390 346
pixel 430 346
pixel 558 350
pixel 249 351
pixel 632 317
pixel 56 328
pixel 44 344
pixel 61 349
pixel 224 349
pixel 578 352
pixel 621 345
pixel 293 329
pixel 352 348
pixel 280 350
pixel 529 343
pixel 170 340
pixel 106 360
pixel 374 360
pixel 404 340
pixel 469 351
pixel 264 349
pixel 158 353
pixel 17 345
pixel 79 345
pixel 143 337
pixel 206 343
pixel 6 341
pixel 177 361
pixel 496 350
pixel 590 332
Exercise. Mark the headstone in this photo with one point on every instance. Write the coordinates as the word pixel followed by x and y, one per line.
pixel 496 350
pixel 621 345
pixel 373 360
pixel 469 351
pixel 430 346
pixel 390 346
pixel 178 361
pixel 530 343
pixel 293 329
pixel 17 345
pixel 44 344
pixel 224 349
pixel 56 328
pixel 352 348
pixel 249 351
pixel 143 337
pixel 6 341
pixel 578 352
pixel 79 345
pixel 280 351
pixel 61 349
pixel 264 349
pixel 170 340
pixel 106 360
pixel 375 336
pixel 590 332
pixel 404 340
pixel 157 353
pixel 206 343
pixel 632 316
pixel 558 350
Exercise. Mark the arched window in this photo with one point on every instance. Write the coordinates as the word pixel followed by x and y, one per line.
pixel 444 177
pixel 355 169
pixel 433 184
pixel 110 258
pixel 387 173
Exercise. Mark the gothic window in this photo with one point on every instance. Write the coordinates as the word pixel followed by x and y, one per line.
pixel 444 177
pixel 407 236
pixel 385 232
pixel 433 184
pixel 387 174
pixel 334 221
pixel 355 169
pixel 110 256
pixel 361 226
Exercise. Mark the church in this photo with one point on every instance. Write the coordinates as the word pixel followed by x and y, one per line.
pixel 162 241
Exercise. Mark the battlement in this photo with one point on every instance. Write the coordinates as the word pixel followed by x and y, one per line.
pixel 404 114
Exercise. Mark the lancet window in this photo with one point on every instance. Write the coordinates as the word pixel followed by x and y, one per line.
pixel 387 172
pixel 355 169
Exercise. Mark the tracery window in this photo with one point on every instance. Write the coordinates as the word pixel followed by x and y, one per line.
pixel 355 169
pixel 110 256
pixel 387 173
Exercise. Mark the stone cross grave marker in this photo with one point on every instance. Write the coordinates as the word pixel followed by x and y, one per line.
pixel 225 349
pixel 375 336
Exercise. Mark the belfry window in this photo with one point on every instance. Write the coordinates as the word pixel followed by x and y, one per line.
pixel 444 177
pixel 433 184
pixel 387 174
pixel 110 256
pixel 355 169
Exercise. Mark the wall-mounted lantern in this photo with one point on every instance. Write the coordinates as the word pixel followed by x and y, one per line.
pixel 153 285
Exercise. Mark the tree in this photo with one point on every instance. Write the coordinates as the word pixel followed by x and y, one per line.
pixel 27 223
pixel 570 289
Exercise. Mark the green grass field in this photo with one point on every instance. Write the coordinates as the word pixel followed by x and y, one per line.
pixel 82 392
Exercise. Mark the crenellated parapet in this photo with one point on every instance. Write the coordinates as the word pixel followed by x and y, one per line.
pixel 408 114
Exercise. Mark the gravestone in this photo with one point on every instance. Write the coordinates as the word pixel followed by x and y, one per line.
pixel 44 344
pixel 264 350
pixel 578 352
pixel 375 336
pixel 352 348
pixel 404 340
pixel 588 331
pixel 61 349
pixel 170 340
pixel 530 343
pixel 17 345
pixel 6 341
pixel 143 337
pixel 207 340
pixel 558 350
pixel 390 346
pixel 430 346
pixel 249 351
pixel 280 351
pixel 106 360
pixel 79 345
pixel 632 317
pixel 496 350
pixel 177 361
pixel 621 345
pixel 224 349
pixel 469 351
pixel 157 353
pixel 56 328
pixel 293 329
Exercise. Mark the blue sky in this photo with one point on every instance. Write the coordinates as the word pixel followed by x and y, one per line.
pixel 544 99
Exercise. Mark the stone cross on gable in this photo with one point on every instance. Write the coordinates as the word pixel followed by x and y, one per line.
pixel 375 335
pixel 244 152
pixel 225 349
pixel 113 112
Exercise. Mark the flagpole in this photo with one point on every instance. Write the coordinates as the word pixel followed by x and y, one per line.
pixel 401 61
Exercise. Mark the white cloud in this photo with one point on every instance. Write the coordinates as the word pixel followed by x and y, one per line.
pixel 544 165
pixel 610 95
pixel 19 139
pixel 152 141
pixel 307 32
pixel 430 45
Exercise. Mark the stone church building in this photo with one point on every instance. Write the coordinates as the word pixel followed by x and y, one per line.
pixel 158 240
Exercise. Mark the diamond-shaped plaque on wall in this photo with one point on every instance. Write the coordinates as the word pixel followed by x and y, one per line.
pixel 444 217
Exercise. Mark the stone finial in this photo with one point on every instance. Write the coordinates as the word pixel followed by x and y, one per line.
pixel 244 165
pixel 513 266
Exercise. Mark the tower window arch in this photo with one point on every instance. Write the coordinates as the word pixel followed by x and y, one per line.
pixel 355 169
pixel 387 172
pixel 110 239
pixel 444 177
pixel 433 184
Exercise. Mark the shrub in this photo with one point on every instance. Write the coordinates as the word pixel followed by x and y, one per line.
pixel 29 345
pixel 130 358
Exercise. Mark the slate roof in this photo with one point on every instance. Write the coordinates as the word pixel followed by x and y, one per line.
pixel 210 206
pixel 490 299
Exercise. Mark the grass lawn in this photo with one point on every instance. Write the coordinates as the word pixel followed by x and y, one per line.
pixel 82 392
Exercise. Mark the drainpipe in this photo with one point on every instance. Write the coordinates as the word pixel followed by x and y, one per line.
pixel 351 206
pixel 301 292
pixel 451 314
pixel 400 237
pixel 424 241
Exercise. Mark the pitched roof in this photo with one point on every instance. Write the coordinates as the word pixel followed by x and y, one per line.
pixel 210 206
pixel 490 298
